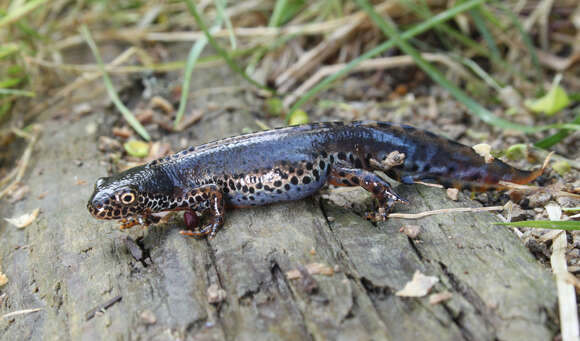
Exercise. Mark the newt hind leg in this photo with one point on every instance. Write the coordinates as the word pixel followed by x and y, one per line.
pixel 381 190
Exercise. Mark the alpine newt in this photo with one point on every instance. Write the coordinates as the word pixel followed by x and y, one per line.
pixel 290 164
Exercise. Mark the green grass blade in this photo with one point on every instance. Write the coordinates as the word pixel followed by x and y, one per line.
pixel 557 137
pixel 485 33
pixel 568 225
pixel 276 18
pixel 479 111
pixel 20 11
pixel 127 115
pixel 192 58
pixel 16 92
pixel 222 17
pixel 410 33
pixel 527 41
pixel 232 64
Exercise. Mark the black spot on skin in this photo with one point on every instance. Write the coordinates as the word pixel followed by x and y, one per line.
pixel 191 200
pixel 245 189
pixel 322 165
pixel 174 205
pixel 358 163
pixel 287 187
pixel 252 197
pixel 341 174
pixel 277 183
pixel 324 154
pixel 309 165
pixel 124 211
pixel 331 159
pixel 245 197
pixel 291 170
pixel 284 176
pixel 377 189
pixel 346 182
pixel 268 188
pixel 316 174
pixel 279 191
pixel 306 180
pixel 300 172
pixel 252 190
pixel 294 180
pixel 204 195
pixel 355 180
pixel 226 190
pixel 232 185
pixel 184 152
pixel 102 214
pixel 259 185
pixel 238 186
pixel 342 156
pixel 351 158
pixel 117 212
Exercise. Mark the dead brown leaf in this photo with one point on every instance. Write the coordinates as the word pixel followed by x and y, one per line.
pixel 313 269
pixel 25 219
pixel 440 297
pixel 419 286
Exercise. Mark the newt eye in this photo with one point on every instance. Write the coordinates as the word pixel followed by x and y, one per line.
pixel 127 198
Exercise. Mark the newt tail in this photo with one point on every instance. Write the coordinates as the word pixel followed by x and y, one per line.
pixel 290 164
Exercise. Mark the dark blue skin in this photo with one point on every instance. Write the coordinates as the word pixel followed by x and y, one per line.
pixel 290 164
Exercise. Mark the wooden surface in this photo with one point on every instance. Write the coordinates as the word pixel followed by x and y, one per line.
pixel 67 263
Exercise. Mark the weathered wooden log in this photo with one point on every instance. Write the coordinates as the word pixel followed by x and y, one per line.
pixel 160 285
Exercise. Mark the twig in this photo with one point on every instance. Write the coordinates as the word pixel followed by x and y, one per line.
pixel 443 211
pixel 18 172
pixel 20 312
pixel 566 294
pixel 102 307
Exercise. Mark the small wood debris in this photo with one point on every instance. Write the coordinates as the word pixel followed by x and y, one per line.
pixel 452 193
pixel 107 144
pixel 148 317
pixel 440 297
pixel 308 283
pixel 158 102
pixel 215 294
pixel 313 269
pixel 18 193
pixel 102 307
pixel 123 132
pixel 25 219
pixel 3 279
pixel 411 231
pixel 20 312
pixel 134 248
pixel 419 286
pixel 81 182
pixel 484 150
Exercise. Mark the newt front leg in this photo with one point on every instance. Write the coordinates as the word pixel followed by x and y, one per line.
pixel 214 204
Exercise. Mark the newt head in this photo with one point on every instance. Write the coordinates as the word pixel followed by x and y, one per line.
pixel 114 199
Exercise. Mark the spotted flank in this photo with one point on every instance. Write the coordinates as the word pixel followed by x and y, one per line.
pixel 290 164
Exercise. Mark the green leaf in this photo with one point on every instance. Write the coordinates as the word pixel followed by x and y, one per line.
pixel 555 100
pixel 298 117
pixel 568 225
pixel 516 152
pixel 561 167
pixel 274 106
pixel 137 148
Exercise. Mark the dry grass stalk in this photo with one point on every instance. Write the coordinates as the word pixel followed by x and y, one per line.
pixel 444 211
pixel 372 64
